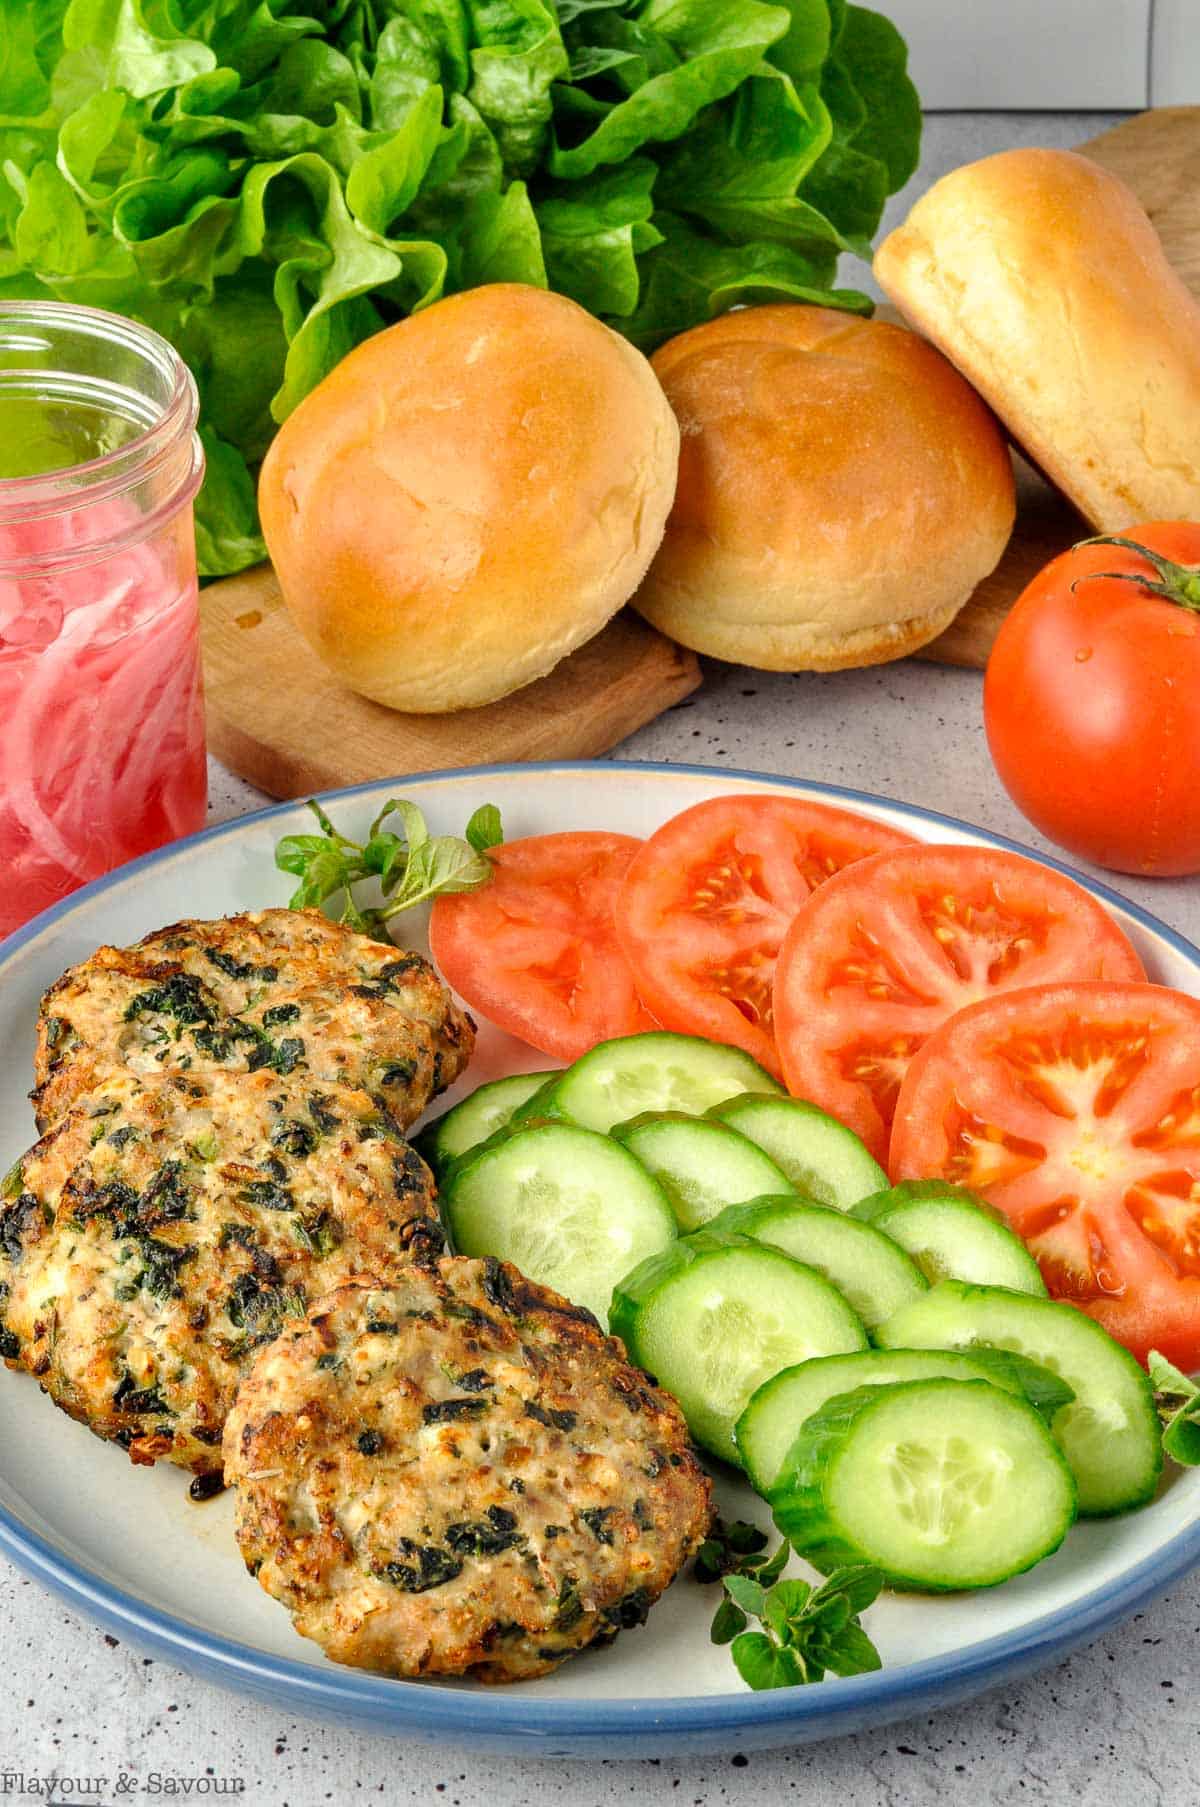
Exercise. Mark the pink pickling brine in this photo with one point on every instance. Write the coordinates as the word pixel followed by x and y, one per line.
pixel 102 753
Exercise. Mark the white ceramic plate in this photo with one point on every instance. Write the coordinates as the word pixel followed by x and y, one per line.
pixel 126 1545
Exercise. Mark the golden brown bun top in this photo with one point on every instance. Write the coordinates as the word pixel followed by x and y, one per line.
pixel 819 404
pixel 1040 275
pixel 793 324
pixel 469 495
pixel 841 490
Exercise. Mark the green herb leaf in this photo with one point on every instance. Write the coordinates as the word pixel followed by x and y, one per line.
pixel 415 829
pixel 807 1631
pixel 485 829
pixel 851 1653
pixel 324 874
pixel 443 864
pixel 858 1584
pixel 787 1601
pixel 746 1593
pixel 743 1538
pixel 728 1620
pixel 772 1569
pixel 326 824
pixel 295 852
pixel 410 867
pixel 734 1546
pixel 1179 1405
pixel 762 1663
pixel 1181 1438
pixel 1168 1381
pixel 387 855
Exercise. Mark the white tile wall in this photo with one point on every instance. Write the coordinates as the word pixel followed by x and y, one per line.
pixel 1175 53
pixel 1052 54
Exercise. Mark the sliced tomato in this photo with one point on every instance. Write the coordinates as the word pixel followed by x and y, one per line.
pixel 536 952
pixel 709 898
pixel 883 954
pixel 1076 1110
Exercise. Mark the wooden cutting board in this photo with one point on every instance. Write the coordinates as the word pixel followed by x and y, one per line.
pixel 1158 154
pixel 277 717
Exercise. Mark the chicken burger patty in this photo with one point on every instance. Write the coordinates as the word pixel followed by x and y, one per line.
pixel 167 1227
pixel 286 990
pixel 457 1473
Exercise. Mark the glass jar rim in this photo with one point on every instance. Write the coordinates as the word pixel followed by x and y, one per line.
pixel 110 475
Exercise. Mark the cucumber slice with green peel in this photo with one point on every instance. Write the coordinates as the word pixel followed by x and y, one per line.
pixel 473 1121
pixel 940 1484
pixel 819 1155
pixel 953 1234
pixel 536 1108
pixel 571 1208
pixel 777 1412
pixel 1109 1433
pixel 714 1316
pixel 868 1269
pixel 656 1071
pixel 701 1166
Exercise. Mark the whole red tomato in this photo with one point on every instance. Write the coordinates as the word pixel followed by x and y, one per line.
pixel 1092 700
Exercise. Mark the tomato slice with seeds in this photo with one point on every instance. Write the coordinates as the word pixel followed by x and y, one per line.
pixel 884 953
pixel 1076 1110
pixel 535 951
pixel 709 898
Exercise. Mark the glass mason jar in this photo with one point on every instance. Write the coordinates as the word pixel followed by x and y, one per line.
pixel 101 706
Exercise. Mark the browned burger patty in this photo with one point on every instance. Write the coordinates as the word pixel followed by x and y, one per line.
pixel 169 1226
pixel 457 1473
pixel 285 990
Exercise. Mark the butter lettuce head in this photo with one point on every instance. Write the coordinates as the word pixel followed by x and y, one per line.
pixel 268 182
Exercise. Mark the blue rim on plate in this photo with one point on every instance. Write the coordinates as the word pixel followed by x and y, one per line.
pixel 504 1720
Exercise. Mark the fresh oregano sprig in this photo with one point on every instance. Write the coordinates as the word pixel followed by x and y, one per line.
pixel 1178 1400
pixel 410 864
pixel 806 1631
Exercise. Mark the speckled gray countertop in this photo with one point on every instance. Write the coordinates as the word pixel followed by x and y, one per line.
pixel 1114 1727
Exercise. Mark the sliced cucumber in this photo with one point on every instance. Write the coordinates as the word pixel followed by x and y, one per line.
pixel 870 1270
pixel 953 1234
pixel 537 1107
pixel 657 1071
pixel 1109 1434
pixel 570 1208
pixel 701 1166
pixel 489 1108
pixel 941 1484
pixel 818 1154
pixel 714 1316
pixel 772 1421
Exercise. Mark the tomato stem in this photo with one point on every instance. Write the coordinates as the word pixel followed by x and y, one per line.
pixel 1179 584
